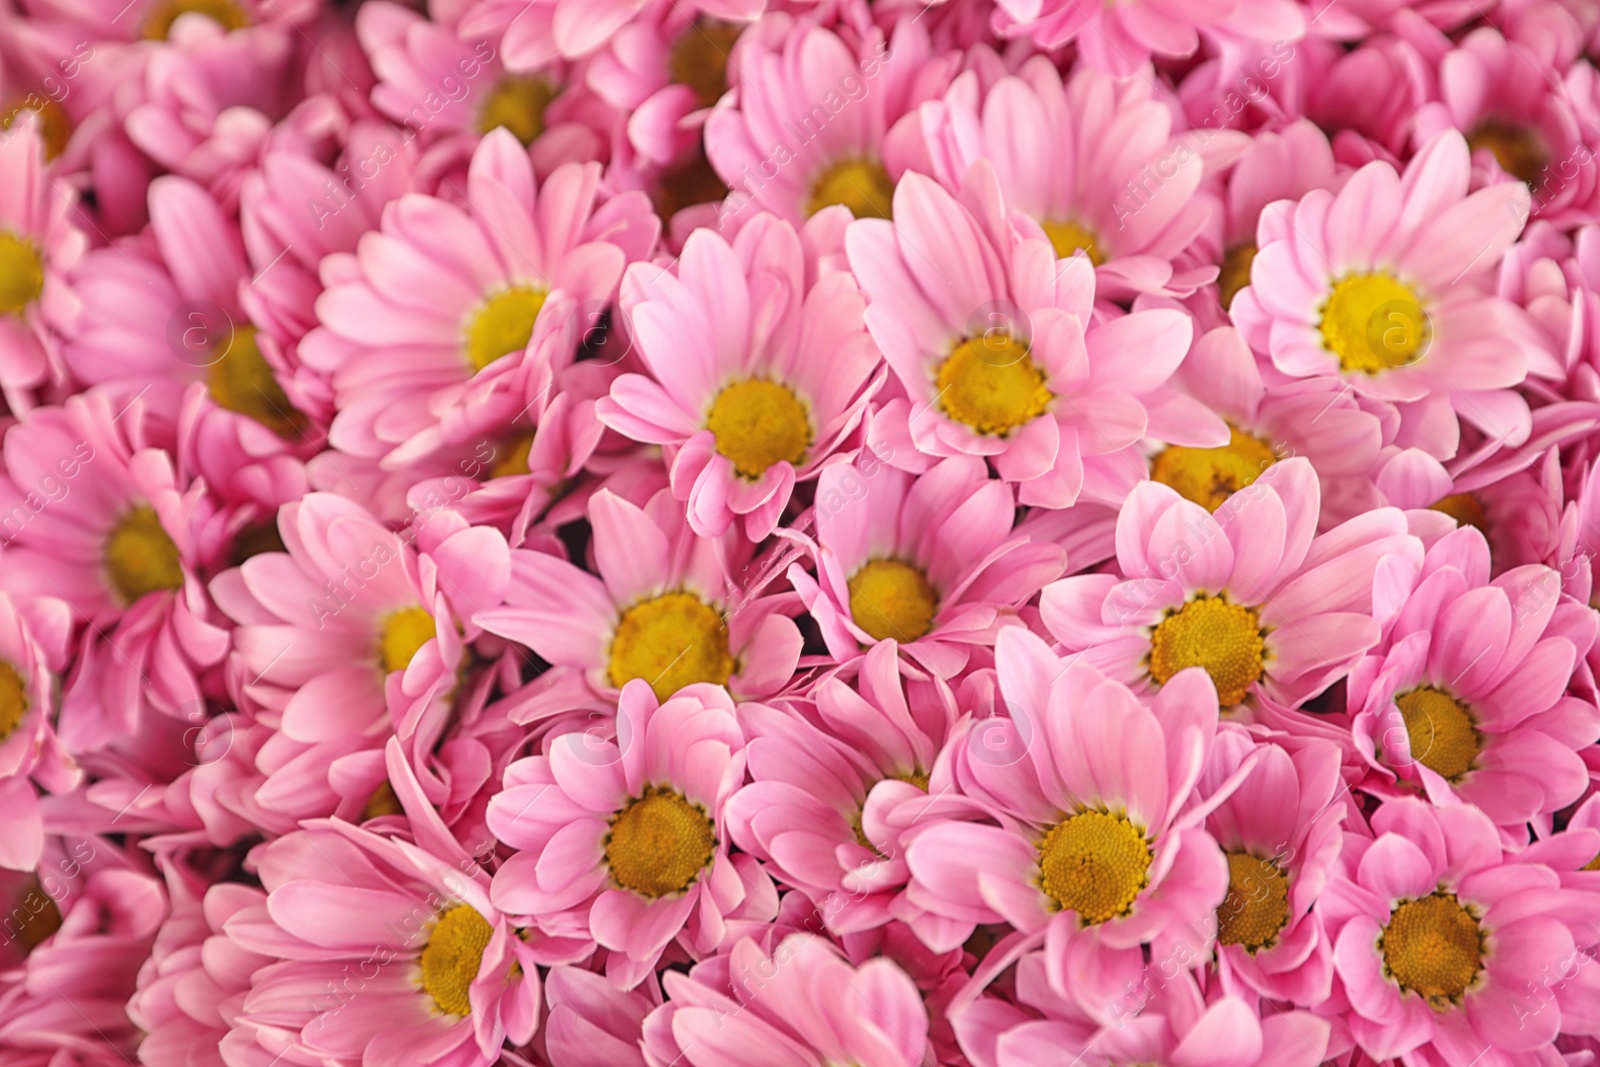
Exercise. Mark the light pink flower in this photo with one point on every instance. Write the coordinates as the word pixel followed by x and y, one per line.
pixel 34 637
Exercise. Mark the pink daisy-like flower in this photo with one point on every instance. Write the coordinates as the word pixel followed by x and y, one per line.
pixel 833 786
pixel 995 344
pixel 625 843
pixel 38 247
pixel 1445 946
pixel 592 1023
pixel 667 607
pixel 34 638
pixel 1252 593
pixel 930 562
pixel 1093 834
pixel 1383 285
pixel 801 1004
pixel 507 278
pixel 1132 212
pixel 389 955
pixel 1469 694
pixel 760 369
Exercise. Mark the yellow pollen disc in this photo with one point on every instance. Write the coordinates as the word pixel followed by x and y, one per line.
pixel 404 632
pixel 991 384
pixel 1257 904
pixel 757 423
pixel 671 641
pixel 503 325
pixel 659 843
pixel 862 185
pixel 140 557
pixel 1517 148
pixel 36 916
pixel 1069 238
pixel 13 699
pixel 1235 274
pixel 55 125
pixel 511 457
pixel 21 274
pixel 892 599
pixel 1593 865
pixel 452 956
pixel 242 380
pixel 1095 864
pixel 383 801
pixel 1211 632
pixel 517 102
pixel 699 58
pixel 1465 508
pixel 1209 476
pixel 916 778
pixel 1373 323
pixel 1432 947
pixel 1441 732
pixel 225 13
pixel 692 180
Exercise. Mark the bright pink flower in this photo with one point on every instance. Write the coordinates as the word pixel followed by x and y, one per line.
pixel 761 369
pixel 801 1005
pixel 592 1023
pixel 390 955
pixel 1252 593
pixel 34 638
pixel 624 843
pixel 996 346
pixel 930 562
pixel 667 606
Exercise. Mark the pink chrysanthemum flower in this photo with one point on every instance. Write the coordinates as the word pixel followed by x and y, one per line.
pixel 997 348
pixel 508 276
pixel 667 606
pixel 38 247
pixel 760 366
pixel 1469 693
pixel 930 562
pixel 1131 213
pixel 1094 835
pixel 592 1023
pixel 1446 947
pixel 389 956
pixel 34 637
pixel 833 786
pixel 1383 284
pixel 624 842
pixel 1251 593
pixel 93 516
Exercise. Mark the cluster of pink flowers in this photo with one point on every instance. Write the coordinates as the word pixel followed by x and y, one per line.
pixel 810 533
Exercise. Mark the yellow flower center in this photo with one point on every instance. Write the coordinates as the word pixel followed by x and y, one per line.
pixel 13 699
pixel 404 632
pixel 1235 273
pixel 140 558
pixel 862 185
pixel 21 273
pixel 659 843
pixel 991 384
pixel 692 180
pixel 503 325
pixel 1257 904
pixel 1211 632
pixel 383 801
pixel 36 914
pixel 699 58
pixel 1465 508
pixel 241 380
pixel 1094 863
pixel 1433 948
pixel 671 641
pixel 892 599
pixel 452 956
pixel 1441 732
pixel 1517 148
pixel 55 125
pixel 517 102
pixel 1069 238
pixel 757 423
pixel 225 13
pixel 1374 322
pixel 511 456
pixel 1209 476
